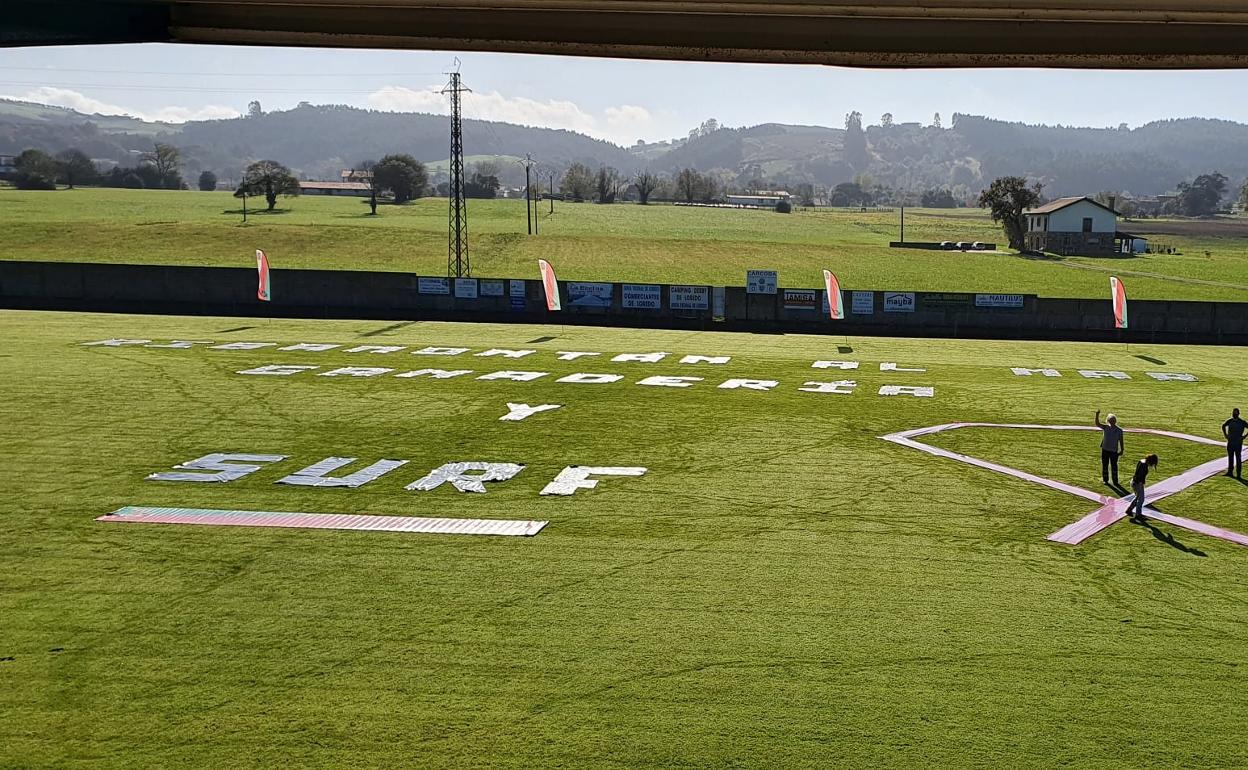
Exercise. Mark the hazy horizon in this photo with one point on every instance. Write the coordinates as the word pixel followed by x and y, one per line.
pixel 614 99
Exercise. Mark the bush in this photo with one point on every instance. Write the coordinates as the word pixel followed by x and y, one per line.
pixel 32 180
pixel 784 207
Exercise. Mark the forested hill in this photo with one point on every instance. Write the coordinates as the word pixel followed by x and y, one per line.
pixel 966 154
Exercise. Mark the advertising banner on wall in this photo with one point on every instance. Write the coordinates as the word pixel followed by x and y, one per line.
pixel 585 294
pixel 466 288
pixel 433 285
pixel 491 288
pixel 688 297
pixel 718 312
pixel 934 300
pixel 800 299
pixel 516 292
pixel 898 302
pixel 999 300
pixel 761 281
pixel 862 303
pixel 644 296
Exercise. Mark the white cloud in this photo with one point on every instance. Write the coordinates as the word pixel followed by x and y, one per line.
pixel 74 100
pixel 622 125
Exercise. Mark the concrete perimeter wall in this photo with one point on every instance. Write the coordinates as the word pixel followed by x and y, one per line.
pixel 400 296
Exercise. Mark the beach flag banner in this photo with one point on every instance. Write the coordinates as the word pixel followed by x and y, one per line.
pixel 550 285
pixel 836 304
pixel 262 267
pixel 1119 296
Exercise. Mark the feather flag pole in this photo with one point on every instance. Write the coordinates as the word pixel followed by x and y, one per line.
pixel 550 285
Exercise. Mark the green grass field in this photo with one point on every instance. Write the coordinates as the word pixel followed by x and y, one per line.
pixel 782 588
pixel 664 244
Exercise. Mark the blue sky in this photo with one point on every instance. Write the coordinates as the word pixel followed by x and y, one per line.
pixel 615 99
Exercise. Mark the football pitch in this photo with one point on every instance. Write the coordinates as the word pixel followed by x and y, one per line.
pixel 780 586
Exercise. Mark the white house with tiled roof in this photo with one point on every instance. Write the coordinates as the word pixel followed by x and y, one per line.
pixel 1076 225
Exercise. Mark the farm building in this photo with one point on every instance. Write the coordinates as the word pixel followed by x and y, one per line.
pixel 1076 225
pixel 761 199
pixel 334 188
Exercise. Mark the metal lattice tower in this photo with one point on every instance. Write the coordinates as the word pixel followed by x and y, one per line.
pixel 457 264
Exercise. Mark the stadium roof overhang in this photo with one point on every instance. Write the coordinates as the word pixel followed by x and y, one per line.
pixel 871 33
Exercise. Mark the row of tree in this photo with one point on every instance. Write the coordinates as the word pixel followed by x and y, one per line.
pixel 36 170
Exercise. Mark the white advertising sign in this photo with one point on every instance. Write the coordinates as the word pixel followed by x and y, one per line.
pixel 584 294
pixel 647 296
pixel 718 313
pixel 466 288
pixel 517 289
pixel 433 285
pixel 491 288
pixel 761 281
pixel 998 300
pixel 801 299
pixel 898 302
pixel 863 303
pixel 688 297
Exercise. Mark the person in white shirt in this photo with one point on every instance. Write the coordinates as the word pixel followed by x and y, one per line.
pixel 1111 447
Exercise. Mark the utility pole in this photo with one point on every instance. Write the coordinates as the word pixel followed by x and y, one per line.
pixel 552 193
pixel 903 221
pixel 457 264
pixel 528 190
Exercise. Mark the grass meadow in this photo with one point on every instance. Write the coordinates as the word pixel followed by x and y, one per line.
pixel 624 242
pixel 782 588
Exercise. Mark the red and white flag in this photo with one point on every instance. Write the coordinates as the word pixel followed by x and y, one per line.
pixel 1119 296
pixel 550 285
pixel 262 267
pixel 836 304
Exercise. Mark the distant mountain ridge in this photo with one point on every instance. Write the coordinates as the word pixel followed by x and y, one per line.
pixel 318 141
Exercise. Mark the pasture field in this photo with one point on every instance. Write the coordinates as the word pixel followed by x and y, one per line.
pixel 781 588
pixel 660 243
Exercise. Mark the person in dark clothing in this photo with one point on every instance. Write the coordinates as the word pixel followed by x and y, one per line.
pixel 1137 486
pixel 1233 429
pixel 1111 446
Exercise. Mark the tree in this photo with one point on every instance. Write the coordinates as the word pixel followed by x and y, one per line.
pixel 689 184
pixel 851 194
pixel 938 199
pixel 886 120
pixel 207 181
pixel 1201 196
pixel 270 179
pixel 36 170
pixel 578 182
pixel 1006 199
pixel 75 168
pixel 805 193
pixel 646 182
pixel 254 110
pixel 481 185
pixel 167 162
pixel 607 184
pixel 401 174
pixel 856 154
pixel 936 120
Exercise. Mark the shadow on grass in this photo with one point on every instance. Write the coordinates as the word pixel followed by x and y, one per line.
pixel 844 349
pixel 257 212
pixel 235 329
pixel 1169 539
pixel 1151 360
pixel 385 329
pixel 541 339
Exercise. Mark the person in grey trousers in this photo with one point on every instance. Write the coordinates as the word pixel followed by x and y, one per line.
pixel 1137 486
pixel 1112 447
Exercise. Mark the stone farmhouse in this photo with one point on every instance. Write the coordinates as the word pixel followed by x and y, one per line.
pixel 1077 226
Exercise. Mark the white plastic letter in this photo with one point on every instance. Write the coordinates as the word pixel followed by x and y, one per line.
pixel 1096 374
pixel 356 371
pixel 641 358
pixel 591 379
pixel 278 369
pixel 180 344
pixel 670 382
pixel 375 349
pixel 314 475
pixel 228 467
pixel 457 474
pixel 749 384
pixel 1022 372
pixel 844 387
pixel 1172 377
pixel 706 359
pixel 834 365
pixel 506 353
pixel 577 477
pixel 516 376
pixel 572 355
pixel 437 374
pixel 435 351
pixel 890 366
pixel 517 412
pixel 115 343
pixel 243 345
pixel 311 347
pixel 906 390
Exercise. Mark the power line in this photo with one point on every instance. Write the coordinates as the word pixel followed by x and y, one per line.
pixel 228 74
pixel 200 89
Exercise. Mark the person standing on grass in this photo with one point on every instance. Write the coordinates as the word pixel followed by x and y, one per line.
pixel 1137 486
pixel 1233 429
pixel 1111 446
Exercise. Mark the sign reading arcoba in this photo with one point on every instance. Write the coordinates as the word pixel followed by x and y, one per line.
pixel 761 281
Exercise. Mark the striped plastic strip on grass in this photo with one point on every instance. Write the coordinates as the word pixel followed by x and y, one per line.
pixel 155 515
